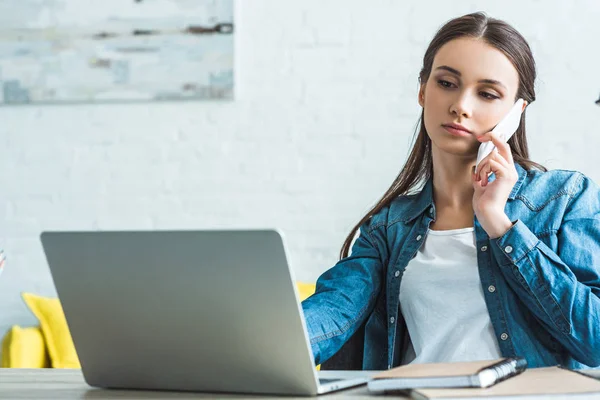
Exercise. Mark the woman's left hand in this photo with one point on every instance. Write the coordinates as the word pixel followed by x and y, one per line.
pixel 490 198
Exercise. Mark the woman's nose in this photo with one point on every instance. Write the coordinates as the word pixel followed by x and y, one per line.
pixel 462 106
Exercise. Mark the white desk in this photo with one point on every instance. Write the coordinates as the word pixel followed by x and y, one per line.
pixel 68 384
pixel 65 384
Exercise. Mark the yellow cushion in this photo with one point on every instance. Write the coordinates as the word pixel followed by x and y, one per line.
pixel 55 330
pixel 305 290
pixel 24 348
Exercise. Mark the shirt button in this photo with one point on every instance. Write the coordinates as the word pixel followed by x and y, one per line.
pixel 492 288
pixel 397 274
pixel 431 210
pixel 419 237
pixel 483 248
pixel 508 249
pixel 504 336
pixel 392 319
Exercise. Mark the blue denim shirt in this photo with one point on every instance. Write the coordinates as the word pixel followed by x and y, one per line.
pixel 541 279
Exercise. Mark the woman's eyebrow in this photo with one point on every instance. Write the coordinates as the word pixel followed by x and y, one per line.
pixel 457 73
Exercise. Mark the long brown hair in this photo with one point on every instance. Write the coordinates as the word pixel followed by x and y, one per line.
pixel 419 167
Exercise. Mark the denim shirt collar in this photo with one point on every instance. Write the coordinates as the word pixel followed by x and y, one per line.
pixel 424 199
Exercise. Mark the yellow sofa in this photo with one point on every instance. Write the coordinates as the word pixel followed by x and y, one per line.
pixel 49 345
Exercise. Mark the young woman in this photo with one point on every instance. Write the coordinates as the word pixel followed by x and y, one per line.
pixel 456 265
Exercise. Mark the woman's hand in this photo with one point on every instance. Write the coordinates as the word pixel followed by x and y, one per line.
pixel 490 198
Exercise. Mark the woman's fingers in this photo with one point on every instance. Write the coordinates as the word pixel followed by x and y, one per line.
pixel 493 163
pixel 502 146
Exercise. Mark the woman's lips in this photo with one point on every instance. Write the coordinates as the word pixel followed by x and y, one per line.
pixel 456 132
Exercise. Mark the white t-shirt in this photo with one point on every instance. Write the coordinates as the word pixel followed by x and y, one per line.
pixel 442 301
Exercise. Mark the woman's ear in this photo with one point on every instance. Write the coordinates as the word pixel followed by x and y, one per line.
pixel 422 95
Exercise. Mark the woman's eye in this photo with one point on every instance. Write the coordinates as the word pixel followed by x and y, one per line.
pixel 489 96
pixel 448 85
pixel 444 83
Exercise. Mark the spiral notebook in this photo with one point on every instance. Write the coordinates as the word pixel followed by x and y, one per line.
pixel 534 383
pixel 447 375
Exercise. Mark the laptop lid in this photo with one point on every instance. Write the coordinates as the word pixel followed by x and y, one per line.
pixel 213 311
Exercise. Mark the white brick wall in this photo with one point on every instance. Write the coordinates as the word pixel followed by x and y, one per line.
pixel 325 110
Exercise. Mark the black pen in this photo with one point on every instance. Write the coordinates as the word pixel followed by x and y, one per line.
pixel 501 370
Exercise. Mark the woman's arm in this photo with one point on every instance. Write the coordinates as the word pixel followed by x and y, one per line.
pixel 561 288
pixel 345 294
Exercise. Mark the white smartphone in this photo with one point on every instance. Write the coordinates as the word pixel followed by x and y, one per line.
pixel 505 129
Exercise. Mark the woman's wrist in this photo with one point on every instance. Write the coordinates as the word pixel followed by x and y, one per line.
pixel 497 227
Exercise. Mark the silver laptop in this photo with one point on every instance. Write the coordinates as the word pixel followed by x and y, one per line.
pixel 207 311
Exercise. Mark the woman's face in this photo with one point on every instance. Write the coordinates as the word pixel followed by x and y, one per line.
pixel 471 84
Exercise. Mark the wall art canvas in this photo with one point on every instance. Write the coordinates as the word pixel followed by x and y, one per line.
pixel 89 51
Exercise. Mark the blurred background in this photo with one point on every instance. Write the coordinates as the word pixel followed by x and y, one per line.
pixel 310 117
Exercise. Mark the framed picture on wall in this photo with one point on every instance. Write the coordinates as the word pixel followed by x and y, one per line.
pixel 88 51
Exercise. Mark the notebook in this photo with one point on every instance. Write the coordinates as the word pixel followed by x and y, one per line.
pixel 534 383
pixel 447 375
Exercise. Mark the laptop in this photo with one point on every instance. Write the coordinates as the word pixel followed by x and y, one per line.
pixel 205 311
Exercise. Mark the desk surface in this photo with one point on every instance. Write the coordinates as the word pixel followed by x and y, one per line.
pixel 68 384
